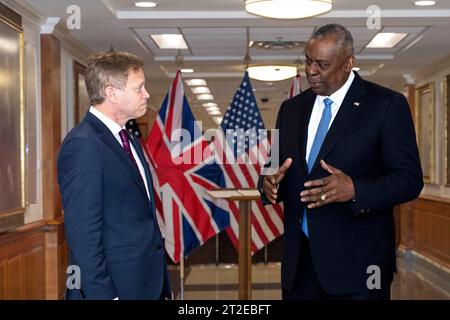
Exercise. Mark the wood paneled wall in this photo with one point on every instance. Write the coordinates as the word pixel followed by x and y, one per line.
pixel 29 256
pixel 22 258
pixel 51 122
pixel 425 228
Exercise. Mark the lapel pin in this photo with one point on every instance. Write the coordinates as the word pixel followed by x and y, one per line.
pixel 356 104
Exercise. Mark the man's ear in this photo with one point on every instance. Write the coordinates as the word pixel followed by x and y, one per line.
pixel 111 94
pixel 350 64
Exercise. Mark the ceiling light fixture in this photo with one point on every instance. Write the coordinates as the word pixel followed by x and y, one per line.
pixel 356 68
pixel 386 40
pixel 425 3
pixel 279 44
pixel 185 70
pixel 199 90
pixel 271 73
pixel 205 97
pixel 217 120
pixel 146 4
pixel 210 105
pixel 213 110
pixel 288 9
pixel 169 41
pixel 196 82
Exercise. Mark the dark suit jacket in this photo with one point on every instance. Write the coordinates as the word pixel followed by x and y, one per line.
pixel 374 143
pixel 110 224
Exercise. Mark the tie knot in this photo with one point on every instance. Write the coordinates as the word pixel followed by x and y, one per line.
pixel 123 135
pixel 125 139
pixel 328 102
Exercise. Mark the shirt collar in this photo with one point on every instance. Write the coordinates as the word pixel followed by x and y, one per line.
pixel 338 96
pixel 112 126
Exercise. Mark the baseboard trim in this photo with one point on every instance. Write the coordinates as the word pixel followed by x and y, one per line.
pixel 429 270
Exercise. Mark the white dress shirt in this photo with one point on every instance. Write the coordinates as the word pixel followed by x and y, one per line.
pixel 115 129
pixel 337 98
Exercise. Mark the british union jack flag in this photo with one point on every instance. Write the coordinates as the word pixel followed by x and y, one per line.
pixel 187 215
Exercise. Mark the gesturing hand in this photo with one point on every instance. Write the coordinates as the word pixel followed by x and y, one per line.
pixel 270 182
pixel 337 187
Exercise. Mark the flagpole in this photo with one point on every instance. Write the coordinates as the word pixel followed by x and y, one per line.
pixel 179 63
pixel 298 64
pixel 247 59
pixel 182 276
pixel 217 249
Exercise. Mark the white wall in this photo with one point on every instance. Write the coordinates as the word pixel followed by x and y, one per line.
pixel 69 54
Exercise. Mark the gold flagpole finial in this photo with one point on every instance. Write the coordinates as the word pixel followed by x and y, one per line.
pixel 179 60
pixel 298 64
pixel 247 61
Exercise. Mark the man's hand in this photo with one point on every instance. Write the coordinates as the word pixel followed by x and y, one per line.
pixel 338 187
pixel 270 182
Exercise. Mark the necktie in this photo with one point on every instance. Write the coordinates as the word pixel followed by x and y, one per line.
pixel 126 145
pixel 127 148
pixel 317 144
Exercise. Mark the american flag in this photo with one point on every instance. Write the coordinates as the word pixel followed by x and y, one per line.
pixel 296 86
pixel 243 114
pixel 133 128
pixel 187 214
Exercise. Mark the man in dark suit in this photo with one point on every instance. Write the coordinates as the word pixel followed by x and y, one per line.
pixel 107 193
pixel 349 154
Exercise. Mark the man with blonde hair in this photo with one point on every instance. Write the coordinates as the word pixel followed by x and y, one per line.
pixel 107 193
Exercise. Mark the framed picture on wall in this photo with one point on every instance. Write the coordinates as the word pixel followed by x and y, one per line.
pixel 424 113
pixel 446 91
pixel 80 95
pixel 12 159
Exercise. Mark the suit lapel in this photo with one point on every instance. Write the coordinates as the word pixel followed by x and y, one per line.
pixel 305 115
pixel 148 175
pixel 138 147
pixel 108 138
pixel 345 116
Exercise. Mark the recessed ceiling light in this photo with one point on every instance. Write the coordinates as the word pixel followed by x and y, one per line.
pixel 146 4
pixel 212 108
pixel 205 97
pixel 185 70
pixel 217 120
pixel 210 105
pixel 195 82
pixel 169 41
pixel 386 40
pixel 199 90
pixel 425 3
pixel 356 68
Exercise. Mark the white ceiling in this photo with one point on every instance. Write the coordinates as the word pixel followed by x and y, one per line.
pixel 216 33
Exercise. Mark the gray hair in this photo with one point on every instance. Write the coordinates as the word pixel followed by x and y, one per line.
pixel 341 34
pixel 109 68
